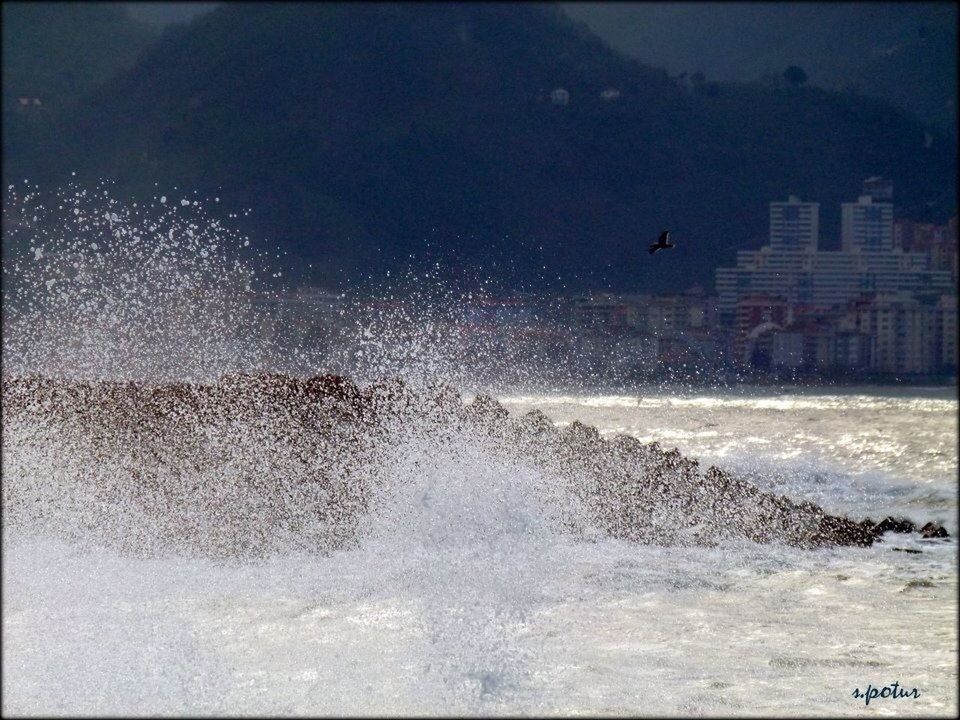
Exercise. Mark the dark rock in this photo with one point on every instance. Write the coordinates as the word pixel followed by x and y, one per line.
pixel 933 530
pixel 891 524
pixel 486 408
pixel 536 424
pixel 303 453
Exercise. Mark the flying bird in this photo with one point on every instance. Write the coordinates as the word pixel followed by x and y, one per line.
pixel 662 243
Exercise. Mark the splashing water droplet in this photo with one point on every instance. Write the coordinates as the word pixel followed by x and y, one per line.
pixel 129 311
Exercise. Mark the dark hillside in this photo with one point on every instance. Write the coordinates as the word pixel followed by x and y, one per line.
pixel 361 133
pixel 54 55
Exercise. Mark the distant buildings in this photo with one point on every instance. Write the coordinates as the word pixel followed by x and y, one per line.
pixel 882 307
pixel 758 315
pixel 902 333
pixel 886 303
pixel 793 268
pixel 879 334
pixel 873 334
pixel 658 315
pixel 946 332
pixel 867 226
pixel 938 242
pixel 641 335
pixel 794 225
pixel 604 310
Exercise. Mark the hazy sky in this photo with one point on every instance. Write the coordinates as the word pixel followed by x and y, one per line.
pixel 735 39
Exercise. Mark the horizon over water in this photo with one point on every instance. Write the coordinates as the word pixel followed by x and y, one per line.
pixel 461 592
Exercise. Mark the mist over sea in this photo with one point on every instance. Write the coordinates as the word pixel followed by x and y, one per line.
pixel 461 594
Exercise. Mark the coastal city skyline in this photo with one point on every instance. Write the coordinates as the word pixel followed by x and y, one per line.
pixel 883 305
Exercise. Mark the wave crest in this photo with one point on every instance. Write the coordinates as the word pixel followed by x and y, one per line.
pixel 255 464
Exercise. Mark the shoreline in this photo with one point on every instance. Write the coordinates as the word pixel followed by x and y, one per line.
pixel 946 392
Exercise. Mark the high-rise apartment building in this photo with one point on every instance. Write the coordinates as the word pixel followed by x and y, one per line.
pixel 904 330
pixel 794 225
pixel 867 226
pixel 946 321
pixel 805 276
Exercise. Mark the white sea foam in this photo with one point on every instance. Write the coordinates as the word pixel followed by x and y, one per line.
pixel 462 595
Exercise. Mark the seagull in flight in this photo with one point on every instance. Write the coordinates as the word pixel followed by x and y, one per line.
pixel 662 243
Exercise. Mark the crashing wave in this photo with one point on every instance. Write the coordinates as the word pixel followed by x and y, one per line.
pixel 254 464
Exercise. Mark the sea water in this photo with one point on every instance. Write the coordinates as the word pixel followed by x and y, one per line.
pixel 463 598
pixel 461 595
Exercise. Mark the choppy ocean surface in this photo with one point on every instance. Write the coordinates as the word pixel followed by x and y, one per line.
pixel 462 600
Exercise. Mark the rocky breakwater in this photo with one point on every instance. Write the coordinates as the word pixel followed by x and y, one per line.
pixel 257 463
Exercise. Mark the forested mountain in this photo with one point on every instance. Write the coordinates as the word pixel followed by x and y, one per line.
pixel 54 55
pixel 505 135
